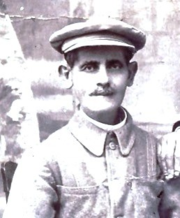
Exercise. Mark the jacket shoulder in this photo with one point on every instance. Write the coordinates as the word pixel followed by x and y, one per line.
pixel 58 136
pixel 145 134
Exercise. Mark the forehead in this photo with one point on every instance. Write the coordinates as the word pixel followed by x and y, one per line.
pixel 101 52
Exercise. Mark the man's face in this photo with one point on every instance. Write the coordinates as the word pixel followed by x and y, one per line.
pixel 100 76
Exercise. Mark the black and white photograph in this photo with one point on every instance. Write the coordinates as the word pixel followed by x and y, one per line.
pixel 89 109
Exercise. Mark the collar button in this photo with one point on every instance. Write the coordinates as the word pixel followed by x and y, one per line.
pixel 112 145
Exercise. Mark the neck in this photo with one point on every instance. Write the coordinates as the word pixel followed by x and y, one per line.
pixel 107 117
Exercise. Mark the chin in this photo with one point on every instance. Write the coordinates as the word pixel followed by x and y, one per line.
pixel 98 108
pixel 100 104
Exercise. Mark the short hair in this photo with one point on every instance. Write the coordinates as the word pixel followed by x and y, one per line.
pixel 72 56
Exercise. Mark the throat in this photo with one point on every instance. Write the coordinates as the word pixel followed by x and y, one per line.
pixel 108 117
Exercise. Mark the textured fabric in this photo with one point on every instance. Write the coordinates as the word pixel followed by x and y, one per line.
pixel 96 40
pixel 83 171
pixel 170 204
pixel 133 37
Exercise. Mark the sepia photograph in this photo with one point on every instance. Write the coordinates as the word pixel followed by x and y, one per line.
pixel 89 109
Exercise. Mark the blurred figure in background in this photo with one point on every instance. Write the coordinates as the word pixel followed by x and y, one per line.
pixel 12 115
pixel 18 117
pixel 18 124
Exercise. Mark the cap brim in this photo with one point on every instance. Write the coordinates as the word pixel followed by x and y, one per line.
pixel 96 40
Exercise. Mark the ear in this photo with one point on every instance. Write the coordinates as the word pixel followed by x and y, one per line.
pixel 132 68
pixel 65 75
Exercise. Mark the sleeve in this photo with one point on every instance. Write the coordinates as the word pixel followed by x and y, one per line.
pixel 170 199
pixel 33 193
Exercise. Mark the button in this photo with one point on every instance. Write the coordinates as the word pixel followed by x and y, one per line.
pixel 112 145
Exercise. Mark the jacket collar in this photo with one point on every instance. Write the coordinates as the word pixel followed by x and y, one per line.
pixel 93 137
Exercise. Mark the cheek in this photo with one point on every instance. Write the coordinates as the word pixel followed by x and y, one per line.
pixel 79 89
pixel 120 82
pixel 82 84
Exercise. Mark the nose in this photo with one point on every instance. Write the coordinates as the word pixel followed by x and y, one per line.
pixel 103 77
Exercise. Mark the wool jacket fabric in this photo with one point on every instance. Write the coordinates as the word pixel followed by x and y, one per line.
pixel 82 171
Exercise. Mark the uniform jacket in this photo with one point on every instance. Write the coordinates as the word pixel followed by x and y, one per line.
pixel 83 171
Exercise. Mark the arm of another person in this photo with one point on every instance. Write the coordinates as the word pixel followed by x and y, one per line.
pixel 169 152
pixel 33 191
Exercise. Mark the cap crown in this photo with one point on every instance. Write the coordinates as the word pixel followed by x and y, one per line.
pixel 126 33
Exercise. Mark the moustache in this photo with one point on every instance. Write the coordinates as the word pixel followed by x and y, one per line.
pixel 100 91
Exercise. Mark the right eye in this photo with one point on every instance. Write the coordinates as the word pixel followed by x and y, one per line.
pixel 91 67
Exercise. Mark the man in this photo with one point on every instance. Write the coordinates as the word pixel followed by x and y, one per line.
pixel 99 165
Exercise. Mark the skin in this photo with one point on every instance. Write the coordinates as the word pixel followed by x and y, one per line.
pixel 100 76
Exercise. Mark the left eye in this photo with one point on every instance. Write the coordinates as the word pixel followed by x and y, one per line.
pixel 116 66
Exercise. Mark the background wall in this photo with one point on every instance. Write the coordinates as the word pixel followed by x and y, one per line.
pixel 153 100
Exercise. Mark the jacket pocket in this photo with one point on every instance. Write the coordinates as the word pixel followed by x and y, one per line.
pixel 80 202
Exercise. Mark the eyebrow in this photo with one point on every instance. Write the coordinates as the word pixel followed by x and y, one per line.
pixel 89 62
pixel 96 63
pixel 114 61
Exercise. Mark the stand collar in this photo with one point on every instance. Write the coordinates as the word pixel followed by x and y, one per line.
pixel 93 137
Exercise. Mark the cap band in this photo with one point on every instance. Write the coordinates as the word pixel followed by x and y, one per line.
pixel 96 40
